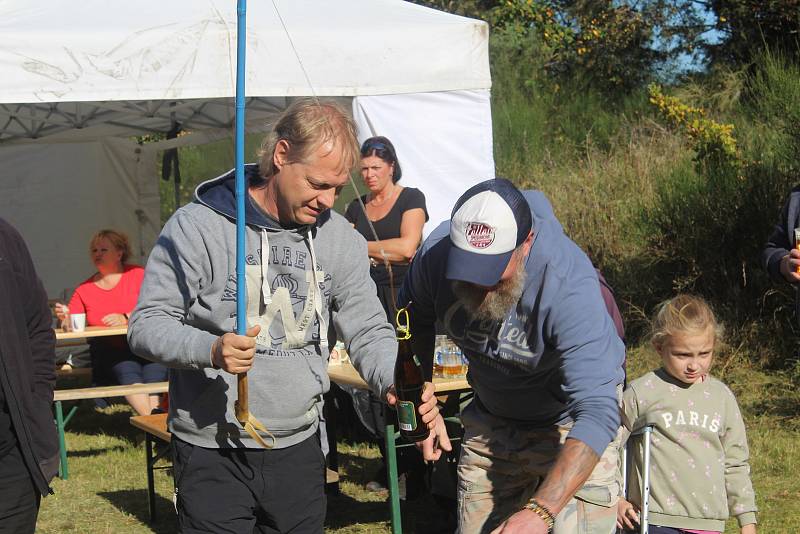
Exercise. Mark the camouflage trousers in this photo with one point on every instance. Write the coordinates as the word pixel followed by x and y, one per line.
pixel 502 465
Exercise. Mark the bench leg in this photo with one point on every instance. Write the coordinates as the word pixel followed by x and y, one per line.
pixel 62 445
pixel 151 460
pixel 394 490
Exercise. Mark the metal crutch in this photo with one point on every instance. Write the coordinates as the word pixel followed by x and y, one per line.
pixel 644 515
pixel 644 512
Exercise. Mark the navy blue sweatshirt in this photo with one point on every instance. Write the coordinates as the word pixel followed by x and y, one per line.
pixel 556 357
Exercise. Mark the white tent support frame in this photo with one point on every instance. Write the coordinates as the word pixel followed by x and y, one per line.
pixel 35 121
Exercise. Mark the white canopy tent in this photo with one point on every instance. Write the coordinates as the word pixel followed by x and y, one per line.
pixel 80 79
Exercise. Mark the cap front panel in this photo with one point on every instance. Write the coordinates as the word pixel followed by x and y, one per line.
pixel 484 224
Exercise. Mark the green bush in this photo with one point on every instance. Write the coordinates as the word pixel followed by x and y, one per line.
pixel 774 94
pixel 541 118
pixel 662 205
pixel 710 220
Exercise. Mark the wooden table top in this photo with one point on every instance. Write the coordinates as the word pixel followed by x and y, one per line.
pixel 345 373
pixel 92 331
pixel 155 424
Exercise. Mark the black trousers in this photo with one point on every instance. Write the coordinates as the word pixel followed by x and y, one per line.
pixel 277 491
pixel 19 500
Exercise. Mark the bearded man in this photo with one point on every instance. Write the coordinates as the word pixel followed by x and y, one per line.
pixel 545 362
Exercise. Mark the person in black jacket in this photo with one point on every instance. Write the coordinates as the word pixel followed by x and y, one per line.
pixel 781 256
pixel 28 439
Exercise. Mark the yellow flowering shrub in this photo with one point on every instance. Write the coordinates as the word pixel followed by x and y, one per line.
pixel 713 141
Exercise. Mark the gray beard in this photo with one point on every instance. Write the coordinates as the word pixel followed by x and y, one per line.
pixel 491 305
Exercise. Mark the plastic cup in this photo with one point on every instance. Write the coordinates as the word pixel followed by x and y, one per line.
pixel 797 244
pixel 77 321
pixel 437 364
pixel 452 365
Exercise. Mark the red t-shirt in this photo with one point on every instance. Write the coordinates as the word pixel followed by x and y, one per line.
pixel 97 302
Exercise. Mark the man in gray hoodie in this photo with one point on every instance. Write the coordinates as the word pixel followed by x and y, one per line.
pixel 306 277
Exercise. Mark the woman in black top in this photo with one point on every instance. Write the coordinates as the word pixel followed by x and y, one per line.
pixel 397 214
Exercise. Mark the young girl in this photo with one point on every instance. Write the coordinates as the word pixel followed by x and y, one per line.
pixel 699 471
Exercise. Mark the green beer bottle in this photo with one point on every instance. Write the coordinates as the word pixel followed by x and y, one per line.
pixel 408 382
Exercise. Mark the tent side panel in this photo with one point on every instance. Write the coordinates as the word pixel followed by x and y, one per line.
pixel 59 195
pixel 443 141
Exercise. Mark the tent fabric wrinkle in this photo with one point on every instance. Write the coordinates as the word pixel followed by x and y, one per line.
pixel 100 119
pixel 185 49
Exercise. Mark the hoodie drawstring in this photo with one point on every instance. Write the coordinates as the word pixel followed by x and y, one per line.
pixel 266 294
pixel 323 324
pixel 294 329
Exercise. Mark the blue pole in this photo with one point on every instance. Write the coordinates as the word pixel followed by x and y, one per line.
pixel 251 424
pixel 241 190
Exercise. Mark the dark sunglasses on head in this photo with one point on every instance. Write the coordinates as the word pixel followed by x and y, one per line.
pixel 374 145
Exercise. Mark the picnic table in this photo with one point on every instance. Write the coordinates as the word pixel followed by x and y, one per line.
pixel 67 339
pixel 154 427
pixel 345 374
pixel 75 394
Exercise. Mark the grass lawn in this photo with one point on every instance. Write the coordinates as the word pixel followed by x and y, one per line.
pixel 106 489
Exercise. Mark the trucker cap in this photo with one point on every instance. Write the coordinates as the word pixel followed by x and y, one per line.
pixel 488 222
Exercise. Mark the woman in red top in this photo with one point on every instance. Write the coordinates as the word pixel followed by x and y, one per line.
pixel 107 298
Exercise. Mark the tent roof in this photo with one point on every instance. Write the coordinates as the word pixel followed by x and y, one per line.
pixel 132 65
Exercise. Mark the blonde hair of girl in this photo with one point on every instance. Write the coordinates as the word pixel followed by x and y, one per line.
pixel 683 314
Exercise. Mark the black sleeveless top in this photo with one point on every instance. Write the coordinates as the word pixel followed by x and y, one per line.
pixel 387 228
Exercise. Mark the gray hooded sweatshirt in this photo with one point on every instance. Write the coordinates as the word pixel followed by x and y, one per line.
pixel 188 299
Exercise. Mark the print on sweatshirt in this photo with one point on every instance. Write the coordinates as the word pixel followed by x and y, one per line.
pixel 287 313
pixel 691 418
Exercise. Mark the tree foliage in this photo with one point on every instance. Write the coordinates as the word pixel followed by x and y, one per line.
pixel 620 44
pixel 611 45
pixel 751 26
pixel 601 43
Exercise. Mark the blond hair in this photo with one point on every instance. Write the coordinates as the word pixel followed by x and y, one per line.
pixel 306 125
pixel 684 314
pixel 117 239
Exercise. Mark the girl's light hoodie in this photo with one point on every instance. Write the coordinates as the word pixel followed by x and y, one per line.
pixel 188 299
pixel 699 468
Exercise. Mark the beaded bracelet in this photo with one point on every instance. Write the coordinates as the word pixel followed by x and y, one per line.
pixel 543 513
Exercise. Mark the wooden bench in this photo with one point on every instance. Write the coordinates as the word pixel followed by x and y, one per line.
pixel 63 395
pixel 154 426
